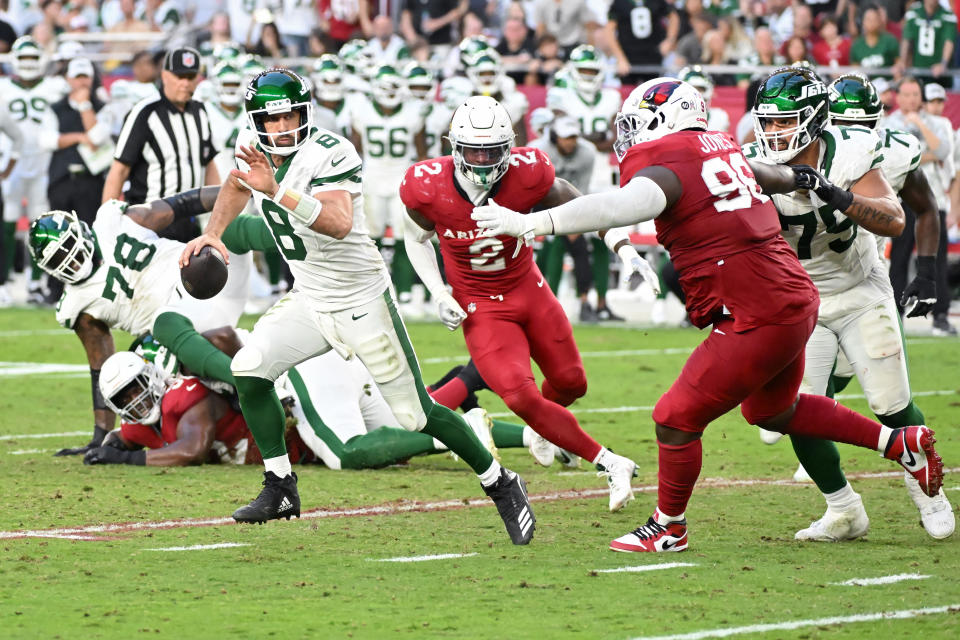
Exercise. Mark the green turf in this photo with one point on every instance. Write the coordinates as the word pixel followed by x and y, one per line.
pixel 319 577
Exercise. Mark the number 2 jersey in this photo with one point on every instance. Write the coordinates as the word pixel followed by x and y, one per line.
pixel 825 240
pixel 723 234
pixel 475 264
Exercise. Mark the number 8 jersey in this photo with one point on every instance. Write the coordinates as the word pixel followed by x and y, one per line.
pixel 475 264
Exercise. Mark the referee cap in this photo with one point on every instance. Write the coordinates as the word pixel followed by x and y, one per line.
pixel 182 61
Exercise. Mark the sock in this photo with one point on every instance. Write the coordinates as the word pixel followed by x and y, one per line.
pixel 176 332
pixel 836 384
pixel 450 395
pixel 842 499
pixel 439 446
pixel 600 261
pixel 471 377
pixel 664 519
pixel 821 460
pixel 909 416
pixel 528 434
pixel 450 429
pixel 10 244
pixel 489 477
pixel 509 436
pixel 820 417
pixel 35 273
pixel 279 465
pixel 553 262
pixel 552 421
pixel 385 446
pixel 263 413
pixel 274 267
pixel 603 457
pixel 679 468
pixel 401 270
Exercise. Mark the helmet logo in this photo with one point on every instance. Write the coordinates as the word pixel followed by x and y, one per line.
pixel 281 105
pixel 812 89
pixel 658 94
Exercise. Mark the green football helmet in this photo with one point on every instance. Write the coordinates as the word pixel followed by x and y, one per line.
pixel 277 91
pixel 29 61
pixel 700 80
pixel 420 81
pixel 586 69
pixel 386 85
pixel 789 93
pixel 227 51
pixel 227 80
pixel 853 99
pixel 356 58
pixel 63 245
pixel 472 47
pixel 250 66
pixel 147 347
pixel 486 73
pixel 327 78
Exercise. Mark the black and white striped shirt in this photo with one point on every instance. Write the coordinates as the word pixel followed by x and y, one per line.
pixel 166 149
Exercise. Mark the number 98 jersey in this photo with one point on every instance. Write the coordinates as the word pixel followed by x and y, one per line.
pixel 474 264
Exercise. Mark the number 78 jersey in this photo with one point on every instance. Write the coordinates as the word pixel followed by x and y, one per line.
pixel 474 264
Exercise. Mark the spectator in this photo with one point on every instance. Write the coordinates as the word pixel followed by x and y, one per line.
pixel 295 20
pixel 690 46
pixel 432 19
pixel 803 25
pixel 217 34
pixel 795 50
pixel 835 9
pixel 52 16
pixel 649 32
pixel 833 49
pixel 7 32
pixel 317 43
pixel 934 50
pixel 343 20
pixel 884 92
pixel 571 22
pixel 385 45
pixel 270 45
pixel 764 54
pixel 516 49
pixel 184 161
pixel 780 20
pixel 875 48
pixel 547 62
pixel 128 23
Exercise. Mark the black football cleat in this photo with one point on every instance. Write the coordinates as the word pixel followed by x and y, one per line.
pixel 278 499
pixel 509 493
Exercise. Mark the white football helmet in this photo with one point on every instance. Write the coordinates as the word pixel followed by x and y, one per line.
pixel 658 108
pixel 63 246
pixel 228 80
pixel 29 61
pixel 540 118
pixel 386 85
pixel 132 387
pixel 486 73
pixel 454 91
pixel 327 78
pixel 481 136
pixel 420 81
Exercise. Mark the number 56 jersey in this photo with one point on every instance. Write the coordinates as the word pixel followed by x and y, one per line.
pixel 474 264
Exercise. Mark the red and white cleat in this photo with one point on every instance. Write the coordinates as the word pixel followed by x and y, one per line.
pixel 913 448
pixel 654 536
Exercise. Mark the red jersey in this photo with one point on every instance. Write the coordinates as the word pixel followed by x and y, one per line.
pixel 723 234
pixel 475 264
pixel 230 440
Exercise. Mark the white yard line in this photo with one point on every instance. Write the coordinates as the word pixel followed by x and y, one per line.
pixel 202 547
pixel 867 582
pixel 24 333
pixel 441 556
pixel 646 567
pixel 23 452
pixel 43 368
pixel 24 436
pixel 800 624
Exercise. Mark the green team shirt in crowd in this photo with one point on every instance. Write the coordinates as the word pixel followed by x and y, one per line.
pixel 928 33
pixel 884 54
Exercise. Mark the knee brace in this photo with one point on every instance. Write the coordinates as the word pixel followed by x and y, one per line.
pixel 248 362
pixel 381 358
pixel 407 410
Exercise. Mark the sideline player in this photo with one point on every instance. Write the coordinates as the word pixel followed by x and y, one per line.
pixel 307 184
pixel 739 275
pixel 508 315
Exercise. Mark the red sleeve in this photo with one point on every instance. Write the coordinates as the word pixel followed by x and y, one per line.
pixel 536 172
pixel 141 434
pixel 417 188
pixel 184 394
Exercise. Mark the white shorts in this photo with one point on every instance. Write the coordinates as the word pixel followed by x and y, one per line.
pixel 17 188
pixel 381 211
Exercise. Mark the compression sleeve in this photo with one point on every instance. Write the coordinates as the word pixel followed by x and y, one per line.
pixel 639 200
pixel 422 256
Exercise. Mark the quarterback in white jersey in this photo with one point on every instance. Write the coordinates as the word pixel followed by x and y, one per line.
pixel 307 184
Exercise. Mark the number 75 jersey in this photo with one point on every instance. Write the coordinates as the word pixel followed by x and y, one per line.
pixel 475 264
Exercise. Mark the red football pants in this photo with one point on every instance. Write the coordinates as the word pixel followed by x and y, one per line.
pixel 503 332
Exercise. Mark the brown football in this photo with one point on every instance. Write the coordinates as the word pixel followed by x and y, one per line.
pixel 205 275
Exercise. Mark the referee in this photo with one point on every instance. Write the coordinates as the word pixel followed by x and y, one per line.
pixel 165 145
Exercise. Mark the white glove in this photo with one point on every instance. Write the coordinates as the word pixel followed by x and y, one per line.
pixel 451 314
pixel 494 220
pixel 639 269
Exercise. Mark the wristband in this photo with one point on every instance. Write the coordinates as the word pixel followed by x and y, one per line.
pixel 307 208
pixel 927 267
pixel 613 237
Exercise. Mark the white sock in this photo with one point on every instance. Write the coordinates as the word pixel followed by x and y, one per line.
pixel 489 477
pixel 842 499
pixel 664 519
pixel 528 435
pixel 604 452
pixel 439 445
pixel 884 439
pixel 280 466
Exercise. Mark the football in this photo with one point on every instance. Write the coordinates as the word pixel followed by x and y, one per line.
pixel 205 275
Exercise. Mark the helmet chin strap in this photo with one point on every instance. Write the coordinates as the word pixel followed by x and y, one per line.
pixel 477 193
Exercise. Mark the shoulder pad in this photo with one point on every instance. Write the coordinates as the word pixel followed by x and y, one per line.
pixel 531 167
pixel 419 185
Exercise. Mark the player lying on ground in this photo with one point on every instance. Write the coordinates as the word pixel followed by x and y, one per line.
pixel 342 419
pixel 858 315
pixel 307 183
pixel 739 275
pixel 508 315
pixel 121 275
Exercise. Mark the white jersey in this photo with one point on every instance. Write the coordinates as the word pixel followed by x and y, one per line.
pixel 717 120
pixel 206 92
pixel 137 278
pixel 437 126
pixel 901 155
pixel 388 142
pixel 516 105
pixel 336 274
pixel 30 109
pixel 594 116
pixel 827 243
pixel 336 120
pixel 225 126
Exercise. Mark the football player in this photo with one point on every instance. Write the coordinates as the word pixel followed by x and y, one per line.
pixel 120 274
pixel 883 375
pixel 308 186
pixel 695 76
pixel 331 111
pixel 508 314
pixel 357 62
pixel 453 91
pixel 389 132
pixel 485 71
pixel 739 275
pixel 26 97
pixel 225 109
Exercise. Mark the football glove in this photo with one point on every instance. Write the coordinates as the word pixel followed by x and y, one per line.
pixel 810 179
pixel 112 455
pixel 639 269
pixel 451 314
pixel 98 435
pixel 495 220
pixel 920 295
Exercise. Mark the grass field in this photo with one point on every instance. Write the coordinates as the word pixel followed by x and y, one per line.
pixel 325 575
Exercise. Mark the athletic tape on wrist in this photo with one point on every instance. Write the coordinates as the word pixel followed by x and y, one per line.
pixel 613 237
pixel 307 209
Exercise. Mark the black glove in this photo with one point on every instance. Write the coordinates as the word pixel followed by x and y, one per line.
pixel 98 435
pixel 921 294
pixel 812 180
pixel 112 455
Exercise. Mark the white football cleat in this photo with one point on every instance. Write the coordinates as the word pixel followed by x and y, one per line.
pixel 770 437
pixel 801 475
pixel 542 450
pixel 567 459
pixel 936 513
pixel 479 421
pixel 619 472
pixel 835 526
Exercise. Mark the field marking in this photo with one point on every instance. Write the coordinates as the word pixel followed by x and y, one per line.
pixel 62 434
pixel 23 333
pixel 23 452
pixel 439 556
pixel 799 624
pixel 407 507
pixel 40 368
pixel 202 547
pixel 867 582
pixel 646 567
